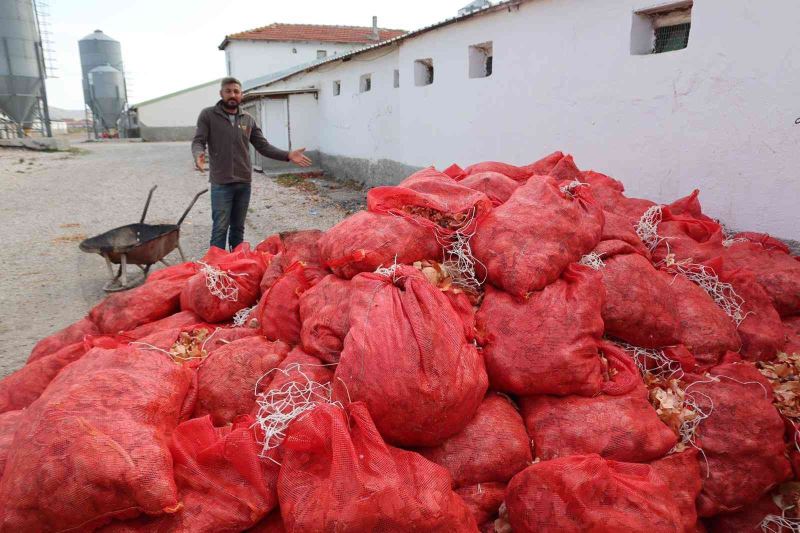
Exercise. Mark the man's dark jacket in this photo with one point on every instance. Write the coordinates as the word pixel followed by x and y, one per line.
pixel 228 145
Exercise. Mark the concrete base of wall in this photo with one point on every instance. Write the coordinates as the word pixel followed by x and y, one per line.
pixel 165 134
pixel 45 144
pixel 370 173
pixel 272 167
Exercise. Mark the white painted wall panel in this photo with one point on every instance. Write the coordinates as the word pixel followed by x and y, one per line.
pixel 178 110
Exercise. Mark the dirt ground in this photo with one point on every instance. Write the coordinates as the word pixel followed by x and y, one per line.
pixel 49 202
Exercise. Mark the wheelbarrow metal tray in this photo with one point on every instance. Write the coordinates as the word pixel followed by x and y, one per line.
pixel 144 244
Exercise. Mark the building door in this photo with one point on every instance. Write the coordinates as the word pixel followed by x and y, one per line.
pixel 276 118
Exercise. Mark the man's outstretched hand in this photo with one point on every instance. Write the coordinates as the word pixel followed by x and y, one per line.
pixel 299 158
pixel 200 162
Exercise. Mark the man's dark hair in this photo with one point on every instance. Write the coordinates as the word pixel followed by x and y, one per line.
pixel 228 81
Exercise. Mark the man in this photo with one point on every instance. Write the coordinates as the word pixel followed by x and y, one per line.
pixel 228 131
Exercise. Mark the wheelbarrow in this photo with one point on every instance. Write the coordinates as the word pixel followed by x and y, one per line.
pixel 139 244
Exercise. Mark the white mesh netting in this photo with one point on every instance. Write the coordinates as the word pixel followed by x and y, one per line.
pixel 647 227
pixel 277 408
pixel 723 294
pixel 593 260
pixel 220 283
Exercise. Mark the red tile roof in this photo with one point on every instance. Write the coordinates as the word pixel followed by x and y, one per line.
pixel 312 32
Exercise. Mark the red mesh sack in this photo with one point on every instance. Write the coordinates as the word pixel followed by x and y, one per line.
pixel 94 445
pixel 528 241
pixel 497 187
pixel 566 170
pixel 221 289
pixel 9 422
pixel 681 474
pixel 492 447
pixel 278 312
pixel 632 208
pixel 227 378
pixel 547 345
pixel 620 425
pixel 746 520
pixel 178 320
pixel 431 199
pixel 272 274
pixel 483 500
pixel 776 271
pixel 765 240
pixel 690 206
pixel 510 171
pixel 297 367
pixel 705 329
pixel 223 336
pixel 294 246
pixel 223 485
pixel 618 228
pixel 406 357
pixel 69 335
pixel 123 311
pixel 324 315
pixel 791 328
pixel 688 238
pixel 365 241
pixel 607 191
pixel 742 439
pixel 545 165
pixel 273 523
pixel 338 474
pixel 637 308
pixel 588 493
pixel 21 388
pixel 181 270
pixel 761 331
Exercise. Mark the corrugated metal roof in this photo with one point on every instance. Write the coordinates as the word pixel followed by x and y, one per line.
pixel 170 95
pixel 273 78
pixel 312 32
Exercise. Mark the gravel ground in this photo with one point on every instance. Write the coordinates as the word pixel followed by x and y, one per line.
pixel 49 202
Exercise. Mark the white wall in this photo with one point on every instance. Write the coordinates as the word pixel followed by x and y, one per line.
pixel 304 121
pixel 719 115
pixel 181 109
pixel 247 60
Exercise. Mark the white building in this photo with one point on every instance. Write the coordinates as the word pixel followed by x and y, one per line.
pixel 173 117
pixel 262 51
pixel 518 80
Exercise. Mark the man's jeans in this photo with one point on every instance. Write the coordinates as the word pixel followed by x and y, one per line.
pixel 228 210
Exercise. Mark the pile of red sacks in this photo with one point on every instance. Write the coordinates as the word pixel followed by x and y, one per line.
pixel 495 348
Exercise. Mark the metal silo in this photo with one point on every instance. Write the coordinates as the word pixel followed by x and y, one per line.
pixel 103 78
pixel 21 75
pixel 106 95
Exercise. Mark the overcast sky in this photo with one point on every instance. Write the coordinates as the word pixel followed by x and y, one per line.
pixel 168 45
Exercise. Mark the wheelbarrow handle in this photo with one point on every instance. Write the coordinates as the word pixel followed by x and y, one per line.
pixel 147 203
pixel 191 205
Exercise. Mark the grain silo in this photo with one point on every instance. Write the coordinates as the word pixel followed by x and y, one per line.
pixel 103 79
pixel 21 63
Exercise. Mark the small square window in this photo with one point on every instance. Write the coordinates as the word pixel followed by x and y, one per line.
pixel 337 88
pixel 396 78
pixel 423 72
pixel 365 84
pixel 322 54
pixel 480 60
pixel 671 38
pixel 662 29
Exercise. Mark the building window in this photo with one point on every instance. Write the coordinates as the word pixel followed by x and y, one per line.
pixel 480 60
pixel 661 29
pixel 322 54
pixel 294 50
pixel 337 88
pixel 365 84
pixel 423 72
pixel 396 78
